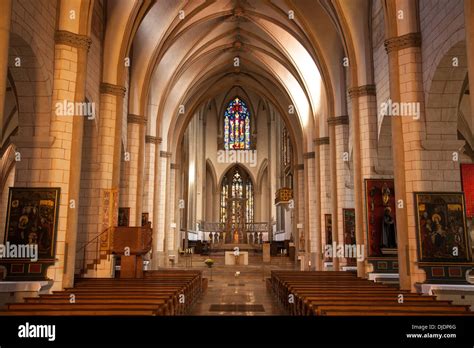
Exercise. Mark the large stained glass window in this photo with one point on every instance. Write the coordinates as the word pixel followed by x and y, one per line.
pixel 237 201
pixel 237 126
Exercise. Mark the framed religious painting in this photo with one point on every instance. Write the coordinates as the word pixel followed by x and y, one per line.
pixel 380 217
pixel 441 227
pixel 328 229
pixel 467 180
pixel 124 217
pixel 145 219
pixel 348 219
pixel 32 218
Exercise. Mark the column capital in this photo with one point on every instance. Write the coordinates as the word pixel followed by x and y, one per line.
pixel 138 119
pixel 108 88
pixel 174 166
pixel 321 141
pixel 361 91
pixel 150 139
pixel 68 38
pixel 165 154
pixel 309 155
pixel 398 43
pixel 338 120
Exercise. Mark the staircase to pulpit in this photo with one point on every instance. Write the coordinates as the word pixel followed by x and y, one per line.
pixel 128 243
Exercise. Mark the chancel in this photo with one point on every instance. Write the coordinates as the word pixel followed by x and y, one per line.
pixel 172 157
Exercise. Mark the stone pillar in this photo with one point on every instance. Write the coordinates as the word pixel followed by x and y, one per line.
pixel 339 129
pixel 5 20
pixel 299 216
pixel 159 204
pixel 80 44
pixel 322 157
pixel 313 212
pixel 109 150
pixel 361 155
pixel 141 170
pixel 148 187
pixel 334 198
pixel 131 199
pixel 404 57
pixel 49 159
pixel 398 156
pixel 173 235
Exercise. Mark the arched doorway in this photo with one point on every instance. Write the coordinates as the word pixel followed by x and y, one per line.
pixel 236 204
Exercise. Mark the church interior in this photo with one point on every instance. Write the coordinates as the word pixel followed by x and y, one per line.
pixel 236 158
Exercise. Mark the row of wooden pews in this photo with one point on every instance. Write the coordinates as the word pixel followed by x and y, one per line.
pixel 343 294
pixel 164 292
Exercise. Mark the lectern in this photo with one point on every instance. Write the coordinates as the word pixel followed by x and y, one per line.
pixel 131 243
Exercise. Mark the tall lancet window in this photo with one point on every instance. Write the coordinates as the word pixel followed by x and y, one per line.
pixel 237 126
pixel 237 201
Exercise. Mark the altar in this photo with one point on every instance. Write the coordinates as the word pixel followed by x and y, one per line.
pixel 231 259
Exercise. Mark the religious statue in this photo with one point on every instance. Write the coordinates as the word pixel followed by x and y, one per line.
pixel 302 241
pixel 389 236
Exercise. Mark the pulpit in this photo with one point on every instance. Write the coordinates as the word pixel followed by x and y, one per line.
pixel 131 243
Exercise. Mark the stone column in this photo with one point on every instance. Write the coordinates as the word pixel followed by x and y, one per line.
pixel 50 161
pixel 109 151
pixel 313 212
pixel 322 157
pixel 339 131
pixel 5 20
pixel 159 204
pixel 131 199
pixel 334 198
pixel 141 170
pixel 396 47
pixel 360 123
pixel 80 44
pixel 149 188
pixel 173 235
pixel 299 215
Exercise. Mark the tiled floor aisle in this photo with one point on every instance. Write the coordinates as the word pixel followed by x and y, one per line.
pixel 244 295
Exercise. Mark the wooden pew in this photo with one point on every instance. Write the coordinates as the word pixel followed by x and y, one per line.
pixel 340 293
pixel 158 293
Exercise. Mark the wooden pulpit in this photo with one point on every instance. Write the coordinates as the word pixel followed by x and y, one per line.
pixel 131 243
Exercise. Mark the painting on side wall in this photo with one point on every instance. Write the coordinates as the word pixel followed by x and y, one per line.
pixel 381 217
pixel 348 216
pixel 32 218
pixel 441 227
pixel 145 219
pixel 328 228
pixel 124 217
pixel 467 179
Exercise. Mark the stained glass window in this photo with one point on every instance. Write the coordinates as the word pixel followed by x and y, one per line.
pixel 237 189
pixel 237 126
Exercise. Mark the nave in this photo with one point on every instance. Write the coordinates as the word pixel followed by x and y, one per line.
pixel 262 289
pixel 335 136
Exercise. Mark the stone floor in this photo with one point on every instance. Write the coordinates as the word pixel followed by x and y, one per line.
pixel 242 295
